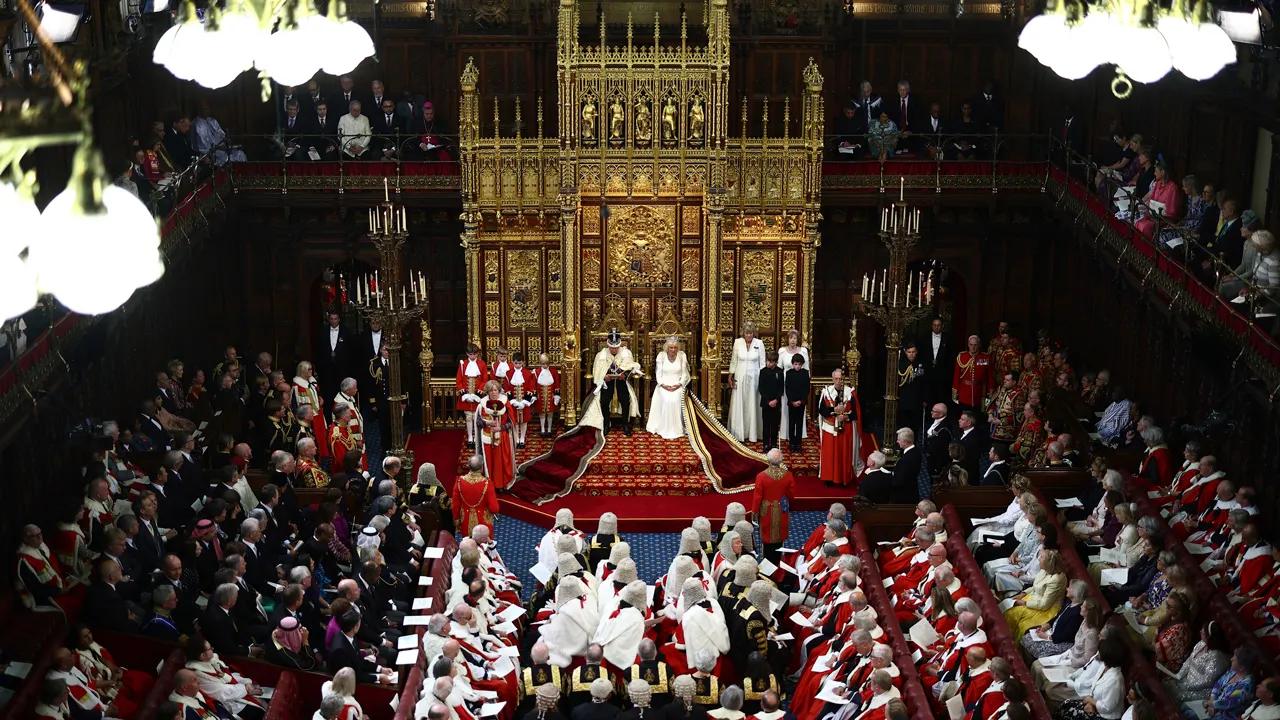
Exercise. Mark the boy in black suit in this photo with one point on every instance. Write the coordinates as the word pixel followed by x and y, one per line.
pixel 797 387
pixel 771 389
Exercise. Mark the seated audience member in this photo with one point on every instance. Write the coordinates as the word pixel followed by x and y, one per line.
pixel 1172 642
pixel 343 687
pixel 290 645
pixel 1041 603
pixel 209 137
pixel 234 692
pixel 354 132
pixel 432 143
pixel 547 704
pixel 162 624
pixel 882 137
pixel 1059 635
pixel 1100 689
pixel 599 708
pixel 1233 691
pixel 1138 578
pixel 1202 668
pixel 121 689
pixel 196 705
pixel 1167 194
pixel 105 606
pixel 1266 704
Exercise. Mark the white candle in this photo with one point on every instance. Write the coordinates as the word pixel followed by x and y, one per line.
pixel 881 291
pixel 386 191
pixel 895 295
pixel 403 296
pixel 864 285
pixel 902 188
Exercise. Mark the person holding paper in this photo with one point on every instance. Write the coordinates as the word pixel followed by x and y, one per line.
pixel 1039 604
pixel 921 567
pixel 949 662
pixel 1167 198
pixel 1172 643
pixel 1209 658
pixel 894 558
pixel 1103 697
pixel 774 491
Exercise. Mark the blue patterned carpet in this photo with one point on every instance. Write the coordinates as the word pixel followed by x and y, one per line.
pixel 518 540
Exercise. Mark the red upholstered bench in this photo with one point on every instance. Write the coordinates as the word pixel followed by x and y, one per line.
pixel 163 688
pixel 993 623
pixel 913 693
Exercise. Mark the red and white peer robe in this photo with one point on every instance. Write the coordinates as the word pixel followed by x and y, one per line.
pixel 494 441
pixel 1197 498
pixel 199 707
pixel 1183 479
pixel 910 577
pixel 520 384
pixel 918 603
pixel 951 658
pixel 480 677
pixel 990 703
pixel 39 564
pixel 878 705
pixel 619 635
pixel 839 439
pixel 1252 569
pixel 306 391
pixel 905 546
pixel 218 682
pixel 974 683
pixel 55 712
pixel 95 517
pixel 1213 522
pixel 1156 469
pixel 700 627
pixel 95 662
pixel 80 689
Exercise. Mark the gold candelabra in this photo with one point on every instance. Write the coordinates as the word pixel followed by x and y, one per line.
pixel 394 300
pixel 895 298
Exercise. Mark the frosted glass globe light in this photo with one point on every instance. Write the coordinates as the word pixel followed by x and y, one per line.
pixel 18 291
pixel 1044 36
pixel 21 218
pixel 1081 51
pixel 181 49
pixel 94 262
pixel 228 51
pixel 1143 54
pixel 293 55
pixel 349 43
pixel 1200 50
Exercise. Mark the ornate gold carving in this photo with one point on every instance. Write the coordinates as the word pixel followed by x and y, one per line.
pixel 617 120
pixel 553 271
pixel 534 347
pixel 524 276
pixel 689 311
pixel 643 182
pixel 590 312
pixel 640 314
pixel 554 348
pixel 726 314
pixel 690 269
pixel 492 315
pixel 589 114
pixel 697 121
pixel 491 271
pixel 691 220
pixel 790 272
pixel 591 220
pixel 555 315
pixel 728 273
pixel 642 241
pixel 789 318
pixel 492 342
pixel 758 276
pixel 615 182
pixel 643 122
pixel 670 121
pixel 591 269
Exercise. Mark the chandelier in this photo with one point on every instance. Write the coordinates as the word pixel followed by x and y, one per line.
pixel 94 243
pixel 1142 39
pixel 288 42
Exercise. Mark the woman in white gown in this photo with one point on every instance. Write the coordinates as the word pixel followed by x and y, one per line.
pixel 670 375
pixel 745 421
pixel 793 347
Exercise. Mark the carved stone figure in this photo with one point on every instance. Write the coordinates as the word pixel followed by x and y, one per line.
pixel 697 119
pixel 616 119
pixel 589 119
pixel 644 123
pixel 669 119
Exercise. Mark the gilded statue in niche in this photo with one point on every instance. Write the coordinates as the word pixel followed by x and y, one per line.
pixel 644 124
pixel 669 111
pixel 589 113
pixel 697 121
pixel 617 120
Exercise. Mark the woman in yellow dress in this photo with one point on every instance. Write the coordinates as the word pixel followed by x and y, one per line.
pixel 1043 600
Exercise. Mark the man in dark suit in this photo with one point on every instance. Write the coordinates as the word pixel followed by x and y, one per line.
pixel 345 651
pixel 866 107
pixel 997 473
pixel 988 108
pixel 177 143
pixel 287 95
pixel 388 128
pixel 1070 131
pixel 148 542
pixel 186 585
pixel 104 606
pixel 973 440
pixel 906 474
pixel 332 363
pixel 346 93
pixel 219 626
pixel 378 93
pixel 938 356
pixel 295 127
pixel 876 483
pixel 259 561
pixel 150 426
pixel 907 112
pixel 937 438
pixel 323 127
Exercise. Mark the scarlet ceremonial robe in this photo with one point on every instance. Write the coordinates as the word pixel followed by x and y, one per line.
pixel 474 503
pixel 493 418
pixel 839 439
pixel 772 485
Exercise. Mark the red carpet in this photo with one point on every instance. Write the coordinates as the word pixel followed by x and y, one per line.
pixel 551 474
